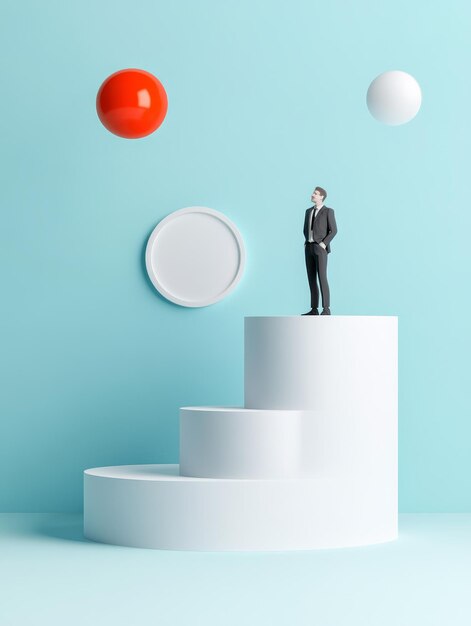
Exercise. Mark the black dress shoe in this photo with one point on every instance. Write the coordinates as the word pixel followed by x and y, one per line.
pixel 326 311
pixel 312 312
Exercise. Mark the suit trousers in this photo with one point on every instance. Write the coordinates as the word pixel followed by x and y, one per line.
pixel 316 265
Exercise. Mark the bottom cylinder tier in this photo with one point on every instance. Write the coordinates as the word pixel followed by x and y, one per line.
pixel 152 506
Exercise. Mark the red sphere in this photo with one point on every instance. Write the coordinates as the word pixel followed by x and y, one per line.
pixel 131 103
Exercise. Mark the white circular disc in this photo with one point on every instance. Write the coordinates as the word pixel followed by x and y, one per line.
pixel 195 256
pixel 394 97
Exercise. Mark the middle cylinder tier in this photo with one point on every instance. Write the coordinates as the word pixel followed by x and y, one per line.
pixel 233 442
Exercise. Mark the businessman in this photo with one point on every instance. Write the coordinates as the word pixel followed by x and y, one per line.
pixel 319 230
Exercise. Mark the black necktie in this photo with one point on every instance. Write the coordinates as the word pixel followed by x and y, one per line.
pixel 312 222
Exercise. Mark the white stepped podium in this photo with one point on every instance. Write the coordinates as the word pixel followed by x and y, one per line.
pixel 309 462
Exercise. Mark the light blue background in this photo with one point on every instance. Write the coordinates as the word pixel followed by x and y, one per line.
pixel 266 100
pixel 422 579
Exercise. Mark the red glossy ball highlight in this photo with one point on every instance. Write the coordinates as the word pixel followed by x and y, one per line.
pixel 131 103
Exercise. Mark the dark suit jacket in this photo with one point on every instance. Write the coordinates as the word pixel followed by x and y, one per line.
pixel 324 228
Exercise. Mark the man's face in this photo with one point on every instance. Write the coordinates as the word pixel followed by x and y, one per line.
pixel 316 197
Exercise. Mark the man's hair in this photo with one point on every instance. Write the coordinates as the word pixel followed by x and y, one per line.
pixel 323 192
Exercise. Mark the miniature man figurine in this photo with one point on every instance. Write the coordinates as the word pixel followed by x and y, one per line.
pixel 319 230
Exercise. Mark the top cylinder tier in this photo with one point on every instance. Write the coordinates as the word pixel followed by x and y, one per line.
pixel 324 363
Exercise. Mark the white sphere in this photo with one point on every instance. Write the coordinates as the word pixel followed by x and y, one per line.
pixel 394 97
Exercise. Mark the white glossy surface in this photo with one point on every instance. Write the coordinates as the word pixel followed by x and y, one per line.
pixel 394 97
pixel 233 442
pixel 152 506
pixel 195 256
